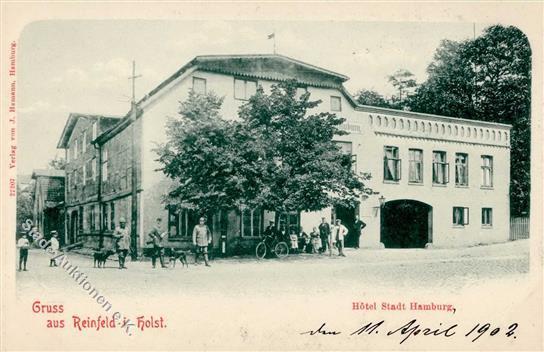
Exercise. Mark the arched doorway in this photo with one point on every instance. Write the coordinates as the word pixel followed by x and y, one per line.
pixel 406 224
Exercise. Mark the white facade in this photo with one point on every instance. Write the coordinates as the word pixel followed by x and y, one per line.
pixel 371 129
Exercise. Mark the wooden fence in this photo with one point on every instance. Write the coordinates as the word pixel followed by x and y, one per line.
pixel 519 228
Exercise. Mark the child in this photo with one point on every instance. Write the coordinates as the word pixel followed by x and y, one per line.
pixel 294 241
pixel 305 241
pixel 55 245
pixel 316 240
pixel 23 244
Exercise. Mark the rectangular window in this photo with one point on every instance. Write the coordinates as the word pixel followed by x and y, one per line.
pixel 104 165
pixel 487 217
pixel 460 216
pixel 112 216
pixel 251 222
pixel 92 225
pixel 441 169
pixel 95 130
pixel 416 165
pixel 461 169
pixel 243 89
pixel 173 222
pixel 105 216
pixel 84 142
pixel 391 164
pixel 487 171
pixel 289 221
pixel 81 217
pixel 346 148
pixel 336 103
pixel 75 149
pixel 93 168
pixel 199 85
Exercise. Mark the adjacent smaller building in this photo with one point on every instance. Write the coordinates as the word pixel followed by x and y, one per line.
pixel 48 209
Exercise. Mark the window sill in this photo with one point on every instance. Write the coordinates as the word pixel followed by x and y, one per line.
pixel 486 187
pixel 461 186
pixel 178 239
pixel 392 182
pixel 458 226
pixel 487 227
pixel 440 185
pixel 415 183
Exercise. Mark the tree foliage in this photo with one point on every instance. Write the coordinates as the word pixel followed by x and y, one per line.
pixel 276 155
pixel 487 78
pixel 404 81
pixel 58 163
pixel 372 98
pixel 25 204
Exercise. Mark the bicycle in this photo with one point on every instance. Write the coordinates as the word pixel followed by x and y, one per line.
pixel 271 244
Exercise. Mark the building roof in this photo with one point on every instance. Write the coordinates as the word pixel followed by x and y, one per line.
pixel 272 67
pixel 47 173
pixel 24 179
pixel 108 121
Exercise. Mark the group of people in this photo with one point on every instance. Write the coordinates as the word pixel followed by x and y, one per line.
pixel 323 238
pixel 202 237
pixel 23 244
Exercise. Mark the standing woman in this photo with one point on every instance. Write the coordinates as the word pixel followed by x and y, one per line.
pixel 316 241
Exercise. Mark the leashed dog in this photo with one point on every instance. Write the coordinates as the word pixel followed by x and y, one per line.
pixel 178 254
pixel 101 256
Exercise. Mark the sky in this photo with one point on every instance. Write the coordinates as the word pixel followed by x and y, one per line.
pixel 83 66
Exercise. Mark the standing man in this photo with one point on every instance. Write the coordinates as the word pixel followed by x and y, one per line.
pixel 358 226
pixel 340 231
pixel 23 244
pixel 158 248
pixel 122 237
pixel 202 237
pixel 324 234
pixel 55 245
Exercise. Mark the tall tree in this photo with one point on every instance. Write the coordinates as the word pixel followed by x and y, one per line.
pixel 487 78
pixel 276 156
pixel 372 98
pixel 404 81
pixel 306 169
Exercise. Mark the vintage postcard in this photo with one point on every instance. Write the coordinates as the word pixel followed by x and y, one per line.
pixel 271 176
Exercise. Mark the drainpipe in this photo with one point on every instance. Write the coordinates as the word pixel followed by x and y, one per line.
pixel 99 192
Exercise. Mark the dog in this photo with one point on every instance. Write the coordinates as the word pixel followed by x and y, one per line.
pixel 101 256
pixel 178 254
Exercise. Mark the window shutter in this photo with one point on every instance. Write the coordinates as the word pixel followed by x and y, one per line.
pixel 465 216
pixel 447 173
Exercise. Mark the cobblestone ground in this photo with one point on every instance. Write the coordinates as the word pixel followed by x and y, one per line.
pixel 389 269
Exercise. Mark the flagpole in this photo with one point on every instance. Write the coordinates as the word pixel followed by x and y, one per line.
pixel 274 41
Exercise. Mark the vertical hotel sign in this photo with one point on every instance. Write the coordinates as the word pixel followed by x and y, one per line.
pixel 12 150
